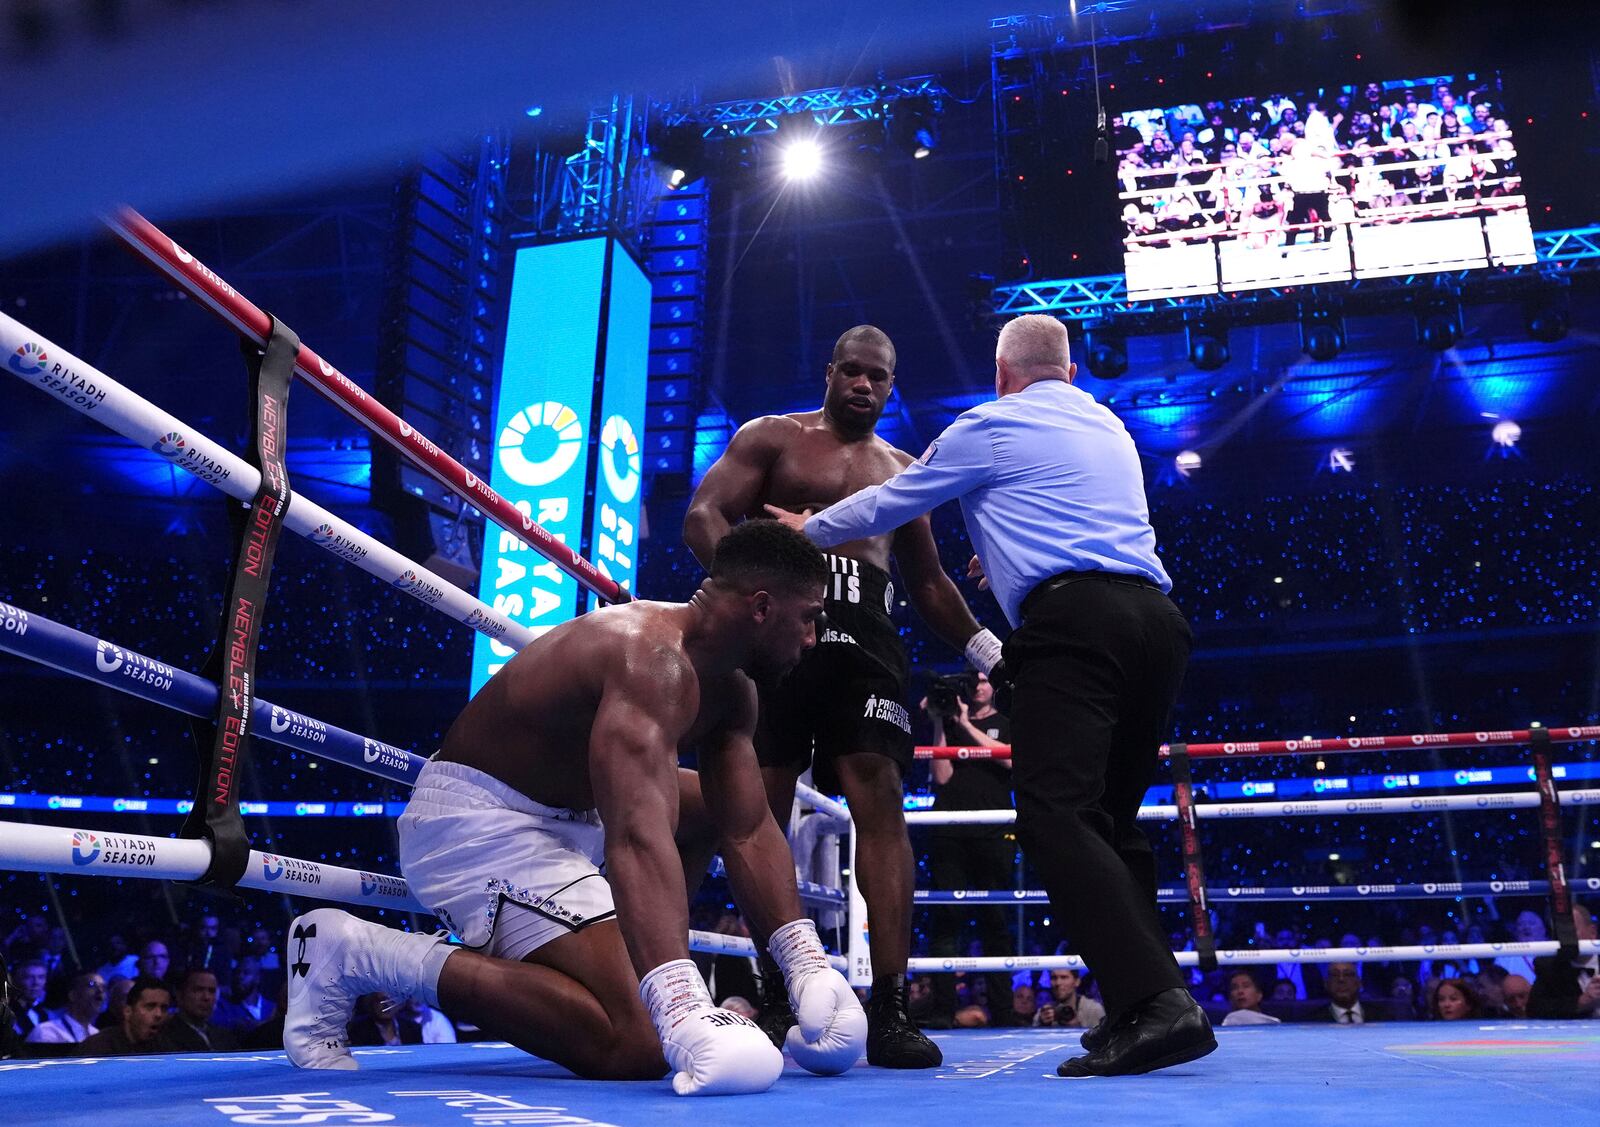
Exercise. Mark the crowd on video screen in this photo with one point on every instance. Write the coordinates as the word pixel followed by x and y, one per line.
pixel 1274 170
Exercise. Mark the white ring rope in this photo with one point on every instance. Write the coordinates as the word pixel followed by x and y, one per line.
pixel 67 852
pixel 64 851
pixel 91 392
pixel 1437 952
pixel 1501 800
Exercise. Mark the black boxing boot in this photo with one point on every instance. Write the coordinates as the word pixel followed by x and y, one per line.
pixel 1165 1029
pixel 893 1039
pixel 774 1014
pixel 1093 1040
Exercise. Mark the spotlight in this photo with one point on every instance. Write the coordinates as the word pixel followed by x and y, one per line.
pixel 1321 332
pixel 1208 342
pixel 913 126
pixel 1506 433
pixel 801 159
pixel 682 151
pixel 1108 355
pixel 1438 315
pixel 1187 462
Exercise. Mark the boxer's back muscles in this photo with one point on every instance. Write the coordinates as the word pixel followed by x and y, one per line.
pixel 533 726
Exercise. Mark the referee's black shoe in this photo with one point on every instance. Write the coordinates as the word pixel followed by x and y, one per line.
pixel 893 1039
pixel 1094 1039
pixel 774 1014
pixel 1166 1029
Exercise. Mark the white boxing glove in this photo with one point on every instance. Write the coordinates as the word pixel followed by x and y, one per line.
pixel 832 1027
pixel 711 1051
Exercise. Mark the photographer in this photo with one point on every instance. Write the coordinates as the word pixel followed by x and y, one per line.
pixel 961 709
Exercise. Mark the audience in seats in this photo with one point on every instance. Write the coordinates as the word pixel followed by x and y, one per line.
pixel 1065 1007
pixel 86 1000
pixel 190 1029
pixel 1454 1000
pixel 1345 1006
pixel 148 1010
pixel 1244 1001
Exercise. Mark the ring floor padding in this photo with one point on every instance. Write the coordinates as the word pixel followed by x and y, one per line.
pixel 1463 1073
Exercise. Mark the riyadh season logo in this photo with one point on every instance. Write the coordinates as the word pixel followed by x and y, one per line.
pixel 563 424
pixel 28 360
pixel 107 658
pixel 85 847
pixel 170 445
pixel 271 866
pixel 620 446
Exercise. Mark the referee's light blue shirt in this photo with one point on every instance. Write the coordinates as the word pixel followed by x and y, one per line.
pixel 1049 481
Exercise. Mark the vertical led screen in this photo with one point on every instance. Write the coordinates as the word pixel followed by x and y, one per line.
pixel 543 416
pixel 613 533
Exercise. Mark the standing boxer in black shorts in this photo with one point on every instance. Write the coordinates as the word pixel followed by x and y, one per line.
pixel 842 711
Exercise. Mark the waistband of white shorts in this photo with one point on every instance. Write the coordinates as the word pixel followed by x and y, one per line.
pixel 458 778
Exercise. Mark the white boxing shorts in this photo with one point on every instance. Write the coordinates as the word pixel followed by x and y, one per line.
pixel 506 874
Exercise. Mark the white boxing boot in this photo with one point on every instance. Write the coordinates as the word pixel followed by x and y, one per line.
pixel 332 959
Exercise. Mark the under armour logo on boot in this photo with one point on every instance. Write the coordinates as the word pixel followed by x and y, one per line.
pixel 302 933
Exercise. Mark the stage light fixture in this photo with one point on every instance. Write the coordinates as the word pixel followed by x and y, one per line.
pixel 1187 462
pixel 913 126
pixel 1321 331
pixel 681 150
pixel 801 159
pixel 1208 341
pixel 1438 317
pixel 1108 355
pixel 1547 314
pixel 1548 325
pixel 1506 433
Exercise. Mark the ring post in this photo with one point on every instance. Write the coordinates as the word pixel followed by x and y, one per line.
pixel 1566 932
pixel 1205 943
pixel 859 950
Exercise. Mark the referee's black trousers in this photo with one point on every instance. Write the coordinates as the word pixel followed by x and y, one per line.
pixel 1097 664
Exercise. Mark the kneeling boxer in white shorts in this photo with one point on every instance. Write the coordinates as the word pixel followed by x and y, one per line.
pixel 542 833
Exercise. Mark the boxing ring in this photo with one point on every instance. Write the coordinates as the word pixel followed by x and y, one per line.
pixel 27 634
pixel 1540 1069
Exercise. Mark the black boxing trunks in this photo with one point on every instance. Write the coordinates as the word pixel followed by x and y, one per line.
pixel 847 695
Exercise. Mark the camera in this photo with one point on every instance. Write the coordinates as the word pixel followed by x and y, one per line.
pixel 944 692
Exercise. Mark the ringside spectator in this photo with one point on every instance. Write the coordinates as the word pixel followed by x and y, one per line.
pixel 149 1003
pixel 1244 1001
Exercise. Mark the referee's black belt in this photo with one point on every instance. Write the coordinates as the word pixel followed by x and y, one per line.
pixel 1066 578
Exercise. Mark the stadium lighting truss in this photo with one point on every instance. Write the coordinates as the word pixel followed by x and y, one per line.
pixel 1103 299
pixel 837 105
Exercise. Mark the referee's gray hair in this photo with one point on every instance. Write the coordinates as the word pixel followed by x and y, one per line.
pixel 1034 340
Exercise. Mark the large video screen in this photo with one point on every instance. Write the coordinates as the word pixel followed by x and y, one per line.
pixel 1386 178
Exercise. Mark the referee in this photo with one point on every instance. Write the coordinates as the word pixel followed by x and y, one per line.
pixel 1053 495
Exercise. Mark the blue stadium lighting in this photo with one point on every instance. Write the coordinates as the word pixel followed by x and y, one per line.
pixel 1506 434
pixel 534 111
